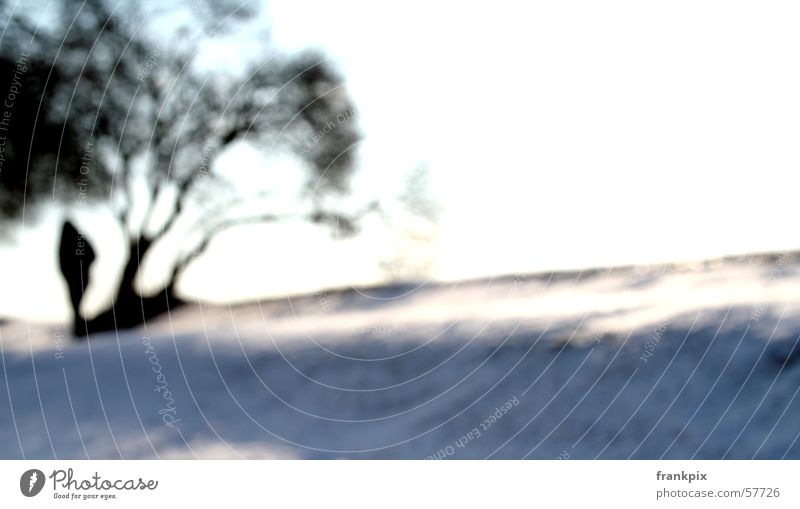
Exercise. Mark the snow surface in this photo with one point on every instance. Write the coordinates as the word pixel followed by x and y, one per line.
pixel 692 361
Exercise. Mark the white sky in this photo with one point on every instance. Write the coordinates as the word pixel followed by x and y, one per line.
pixel 572 134
pixel 558 135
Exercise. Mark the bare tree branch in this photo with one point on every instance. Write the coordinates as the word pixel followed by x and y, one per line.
pixel 184 262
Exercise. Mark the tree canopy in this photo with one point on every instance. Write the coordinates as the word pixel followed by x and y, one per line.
pixel 97 109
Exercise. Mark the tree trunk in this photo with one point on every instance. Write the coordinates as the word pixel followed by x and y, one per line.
pixel 129 308
pixel 128 311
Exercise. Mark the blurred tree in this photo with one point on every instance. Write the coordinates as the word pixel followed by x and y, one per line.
pixel 414 222
pixel 96 112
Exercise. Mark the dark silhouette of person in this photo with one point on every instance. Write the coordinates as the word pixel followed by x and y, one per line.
pixel 75 256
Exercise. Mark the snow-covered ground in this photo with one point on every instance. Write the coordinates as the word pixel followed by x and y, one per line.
pixel 694 361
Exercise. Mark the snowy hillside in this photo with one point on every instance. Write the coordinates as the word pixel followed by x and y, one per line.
pixel 672 361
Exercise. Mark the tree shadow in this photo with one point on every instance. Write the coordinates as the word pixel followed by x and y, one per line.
pixel 700 393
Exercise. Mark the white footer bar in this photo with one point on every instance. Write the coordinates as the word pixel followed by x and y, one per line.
pixel 399 483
